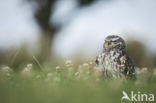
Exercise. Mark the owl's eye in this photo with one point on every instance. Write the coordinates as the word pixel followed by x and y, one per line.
pixel 109 43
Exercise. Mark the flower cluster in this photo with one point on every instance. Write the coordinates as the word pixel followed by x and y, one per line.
pixel 84 71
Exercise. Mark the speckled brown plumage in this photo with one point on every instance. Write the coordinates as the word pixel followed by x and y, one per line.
pixel 114 61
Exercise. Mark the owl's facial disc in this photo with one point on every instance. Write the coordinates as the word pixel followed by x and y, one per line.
pixel 114 42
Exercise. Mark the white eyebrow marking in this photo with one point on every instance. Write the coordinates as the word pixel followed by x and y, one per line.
pixel 114 39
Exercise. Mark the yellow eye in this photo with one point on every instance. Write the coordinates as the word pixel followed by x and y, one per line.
pixel 108 43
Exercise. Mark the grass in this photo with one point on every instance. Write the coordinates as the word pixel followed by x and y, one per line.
pixel 69 84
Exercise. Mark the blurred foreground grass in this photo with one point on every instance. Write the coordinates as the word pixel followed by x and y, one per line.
pixel 69 84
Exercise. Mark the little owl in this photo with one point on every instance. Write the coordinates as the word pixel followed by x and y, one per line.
pixel 114 61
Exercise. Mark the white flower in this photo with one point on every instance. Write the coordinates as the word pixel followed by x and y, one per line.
pixel 77 73
pixel 57 67
pixel 85 65
pixel 68 63
pixel 29 66
pixel 27 70
pixel 6 69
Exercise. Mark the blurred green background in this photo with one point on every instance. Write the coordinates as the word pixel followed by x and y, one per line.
pixel 51 21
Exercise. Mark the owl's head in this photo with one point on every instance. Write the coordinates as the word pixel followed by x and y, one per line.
pixel 114 42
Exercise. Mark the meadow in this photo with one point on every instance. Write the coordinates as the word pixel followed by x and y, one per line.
pixel 70 83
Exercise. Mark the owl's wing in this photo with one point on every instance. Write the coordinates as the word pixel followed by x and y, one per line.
pixel 99 59
pixel 127 66
pixel 99 62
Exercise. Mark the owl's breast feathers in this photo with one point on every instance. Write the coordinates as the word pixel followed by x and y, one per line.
pixel 118 64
